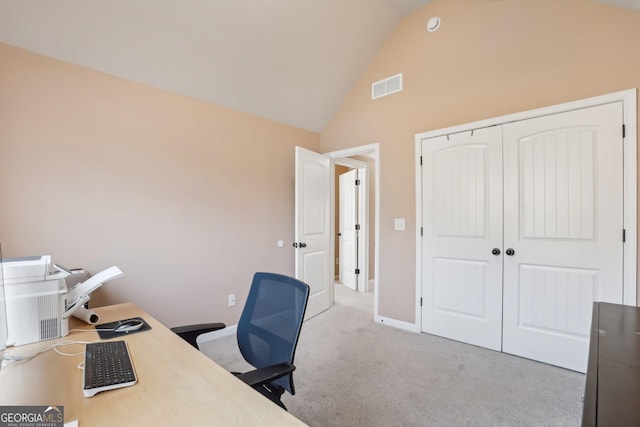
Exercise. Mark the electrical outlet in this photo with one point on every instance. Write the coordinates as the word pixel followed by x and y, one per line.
pixel 232 300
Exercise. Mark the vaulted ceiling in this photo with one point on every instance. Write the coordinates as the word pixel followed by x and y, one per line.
pixel 292 61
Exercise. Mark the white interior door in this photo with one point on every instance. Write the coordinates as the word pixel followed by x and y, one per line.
pixel 462 217
pixel 362 191
pixel 563 221
pixel 348 235
pixel 313 228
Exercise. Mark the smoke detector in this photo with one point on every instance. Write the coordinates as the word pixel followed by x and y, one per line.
pixel 433 24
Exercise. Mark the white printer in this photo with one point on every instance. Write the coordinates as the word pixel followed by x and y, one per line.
pixel 38 302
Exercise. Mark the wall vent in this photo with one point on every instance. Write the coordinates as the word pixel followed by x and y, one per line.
pixel 386 87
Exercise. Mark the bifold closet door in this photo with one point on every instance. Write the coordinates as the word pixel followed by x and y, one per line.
pixel 563 222
pixel 462 244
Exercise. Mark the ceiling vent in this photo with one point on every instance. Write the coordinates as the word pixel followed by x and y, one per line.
pixel 386 87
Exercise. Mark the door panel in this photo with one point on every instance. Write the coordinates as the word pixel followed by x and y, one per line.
pixel 312 228
pixel 465 290
pixel 459 184
pixel 557 173
pixel 555 300
pixel 348 234
pixel 462 217
pixel 564 220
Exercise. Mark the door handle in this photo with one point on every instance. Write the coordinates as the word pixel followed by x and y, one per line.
pixel 295 244
pixel 495 251
pixel 510 252
pixel 303 245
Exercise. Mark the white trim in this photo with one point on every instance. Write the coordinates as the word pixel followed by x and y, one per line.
pixel 628 99
pixel 356 151
pixel 397 324
pixel 419 225
pixel 351 163
pixel 214 335
pixel 625 96
pixel 630 117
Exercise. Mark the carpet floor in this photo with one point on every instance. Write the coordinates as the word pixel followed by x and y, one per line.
pixel 352 372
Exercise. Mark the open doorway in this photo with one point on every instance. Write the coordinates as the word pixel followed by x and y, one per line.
pixel 364 162
pixel 315 228
pixel 352 224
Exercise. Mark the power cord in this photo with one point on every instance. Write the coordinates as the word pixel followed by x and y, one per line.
pixel 10 358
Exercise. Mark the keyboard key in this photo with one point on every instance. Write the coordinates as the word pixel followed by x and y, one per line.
pixel 107 365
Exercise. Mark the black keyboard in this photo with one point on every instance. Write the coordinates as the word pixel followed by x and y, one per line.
pixel 107 365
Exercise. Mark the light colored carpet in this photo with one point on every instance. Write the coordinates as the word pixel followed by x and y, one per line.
pixel 354 372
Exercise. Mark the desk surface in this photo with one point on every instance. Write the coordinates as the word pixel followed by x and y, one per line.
pixel 177 385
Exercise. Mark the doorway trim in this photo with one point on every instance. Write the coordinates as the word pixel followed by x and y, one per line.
pixel 630 208
pixel 336 156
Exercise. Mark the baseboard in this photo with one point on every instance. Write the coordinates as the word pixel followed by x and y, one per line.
pixel 411 327
pixel 211 336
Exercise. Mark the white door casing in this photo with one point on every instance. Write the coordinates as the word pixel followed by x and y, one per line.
pixel 313 228
pixel 563 177
pixel 546 182
pixel 462 208
pixel 347 235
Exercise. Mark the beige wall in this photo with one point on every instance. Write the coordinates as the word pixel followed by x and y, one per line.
pixel 187 198
pixel 489 58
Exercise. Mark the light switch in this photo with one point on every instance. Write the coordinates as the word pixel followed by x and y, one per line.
pixel 399 224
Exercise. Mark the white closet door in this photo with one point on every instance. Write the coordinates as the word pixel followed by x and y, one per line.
pixel 462 217
pixel 563 219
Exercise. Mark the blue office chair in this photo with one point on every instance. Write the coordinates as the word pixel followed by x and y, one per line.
pixel 268 332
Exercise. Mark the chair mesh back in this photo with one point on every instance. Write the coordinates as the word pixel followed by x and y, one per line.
pixel 270 323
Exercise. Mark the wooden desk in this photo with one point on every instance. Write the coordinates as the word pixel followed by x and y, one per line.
pixel 177 385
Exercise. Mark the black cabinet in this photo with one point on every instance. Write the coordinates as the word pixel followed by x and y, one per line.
pixel 612 391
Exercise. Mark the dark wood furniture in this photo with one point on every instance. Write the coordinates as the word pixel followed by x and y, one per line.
pixel 612 391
